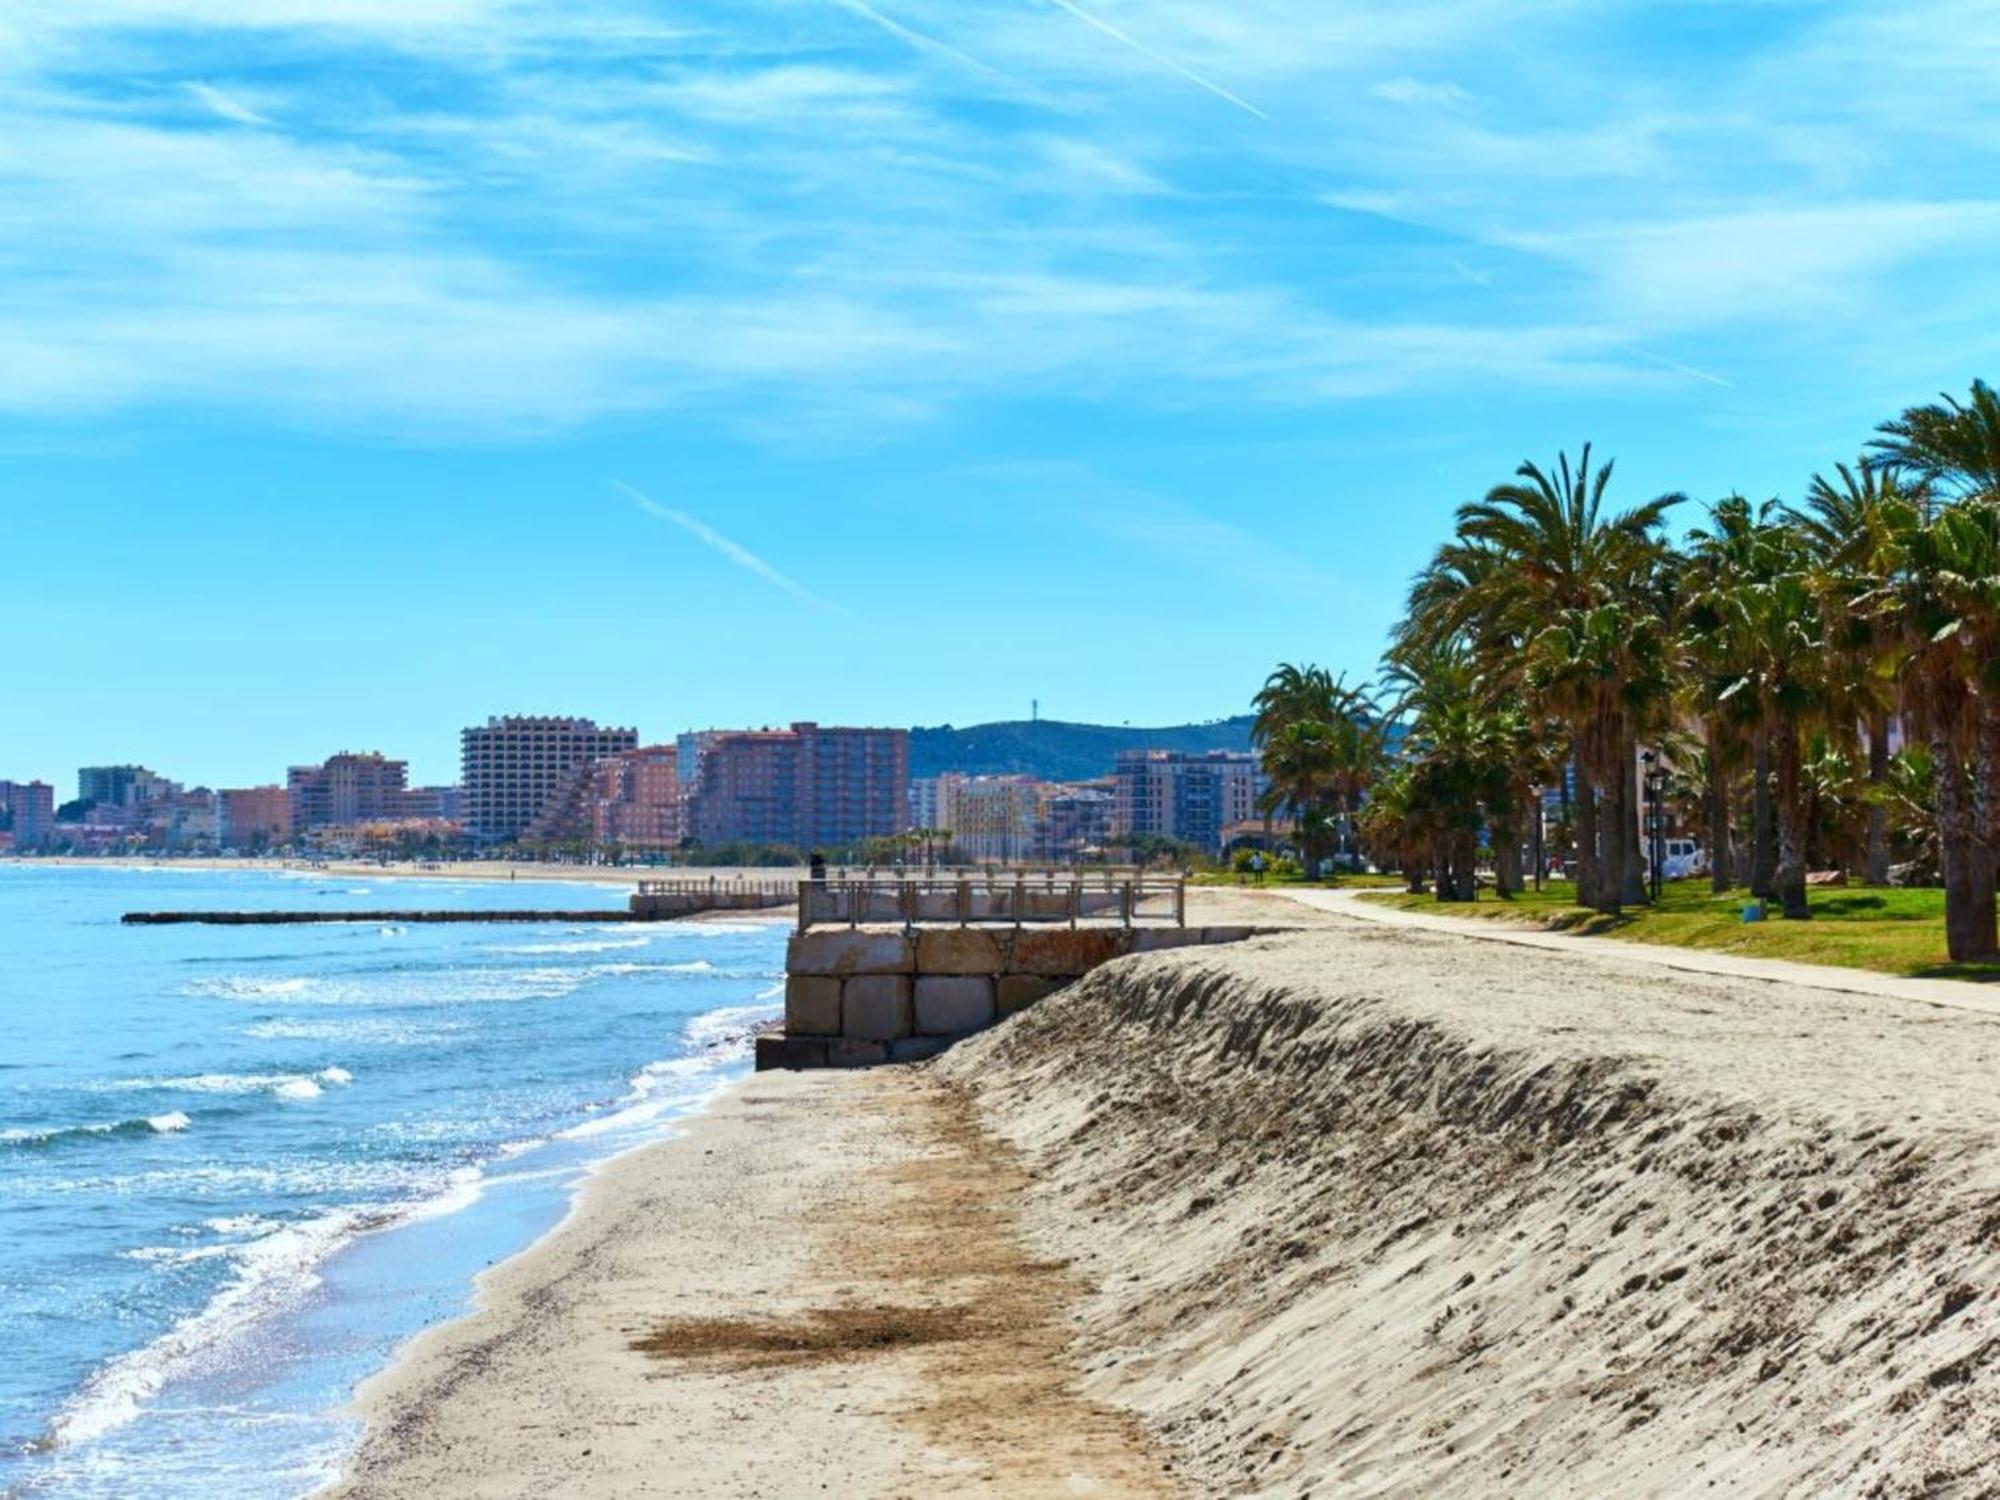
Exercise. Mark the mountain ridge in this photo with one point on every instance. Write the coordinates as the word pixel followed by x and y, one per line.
pixel 1054 750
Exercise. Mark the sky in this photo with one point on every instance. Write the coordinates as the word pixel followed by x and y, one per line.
pixel 369 367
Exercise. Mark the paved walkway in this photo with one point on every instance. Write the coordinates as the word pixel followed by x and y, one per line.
pixel 1955 994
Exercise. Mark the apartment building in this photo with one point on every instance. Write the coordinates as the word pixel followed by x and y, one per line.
pixel 255 816
pixel 122 786
pixel 512 766
pixel 1075 821
pixel 632 800
pixel 352 788
pixel 808 786
pixel 990 817
pixel 1191 797
pixel 28 809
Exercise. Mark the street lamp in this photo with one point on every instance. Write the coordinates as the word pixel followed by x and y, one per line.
pixel 1656 816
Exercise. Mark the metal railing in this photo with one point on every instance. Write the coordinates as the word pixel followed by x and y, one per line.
pixel 782 890
pixel 1010 897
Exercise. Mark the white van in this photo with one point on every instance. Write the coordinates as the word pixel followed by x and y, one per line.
pixel 1683 859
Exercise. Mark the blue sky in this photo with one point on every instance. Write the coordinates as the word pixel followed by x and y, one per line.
pixel 371 366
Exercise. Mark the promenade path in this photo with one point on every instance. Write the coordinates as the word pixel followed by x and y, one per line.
pixel 1956 994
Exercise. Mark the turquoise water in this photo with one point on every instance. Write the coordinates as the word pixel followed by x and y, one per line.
pixel 240 1165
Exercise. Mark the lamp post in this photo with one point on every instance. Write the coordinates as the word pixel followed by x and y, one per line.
pixel 1656 825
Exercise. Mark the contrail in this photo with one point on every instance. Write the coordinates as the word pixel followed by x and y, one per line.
pixel 742 556
pixel 918 40
pixel 1166 62
pixel 217 102
pixel 1680 369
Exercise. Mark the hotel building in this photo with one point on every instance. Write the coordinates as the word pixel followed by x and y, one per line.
pixel 512 766
pixel 632 800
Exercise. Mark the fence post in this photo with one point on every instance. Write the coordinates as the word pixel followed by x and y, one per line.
pixel 1180 902
pixel 1125 904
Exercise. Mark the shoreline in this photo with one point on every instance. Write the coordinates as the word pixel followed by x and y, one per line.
pixel 815 1282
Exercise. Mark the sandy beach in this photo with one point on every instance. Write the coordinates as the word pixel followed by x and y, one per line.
pixel 820 1288
pixel 1351 1210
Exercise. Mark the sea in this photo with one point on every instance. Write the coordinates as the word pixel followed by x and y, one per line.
pixel 239 1166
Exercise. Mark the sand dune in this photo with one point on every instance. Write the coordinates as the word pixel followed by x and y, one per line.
pixel 1375 1212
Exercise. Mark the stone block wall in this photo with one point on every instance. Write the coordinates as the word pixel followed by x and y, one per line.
pixel 855 997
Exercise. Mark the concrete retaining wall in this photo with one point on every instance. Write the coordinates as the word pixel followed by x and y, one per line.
pixel 860 996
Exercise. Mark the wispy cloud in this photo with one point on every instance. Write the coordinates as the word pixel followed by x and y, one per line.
pixel 1414 91
pixel 742 556
pixel 1100 24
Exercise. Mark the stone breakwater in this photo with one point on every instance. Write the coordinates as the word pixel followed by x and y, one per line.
pixel 855 997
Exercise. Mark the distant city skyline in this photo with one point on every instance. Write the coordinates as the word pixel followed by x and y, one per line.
pixel 446 772
pixel 372 368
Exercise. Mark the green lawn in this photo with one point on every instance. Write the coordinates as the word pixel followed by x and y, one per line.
pixel 1349 882
pixel 1859 927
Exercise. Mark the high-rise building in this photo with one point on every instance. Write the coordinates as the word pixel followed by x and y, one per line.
pixel 923 800
pixel 122 786
pixel 807 786
pixel 352 788
pixel 513 765
pixel 29 808
pixel 1191 797
pixel 632 799
pixel 255 816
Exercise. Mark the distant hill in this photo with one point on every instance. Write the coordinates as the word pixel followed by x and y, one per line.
pixel 1059 752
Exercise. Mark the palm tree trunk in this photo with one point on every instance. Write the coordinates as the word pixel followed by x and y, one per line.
pixel 1506 835
pixel 1966 859
pixel 1876 868
pixel 1635 891
pixel 1790 875
pixel 1589 877
pixel 1717 797
pixel 1763 841
pixel 1610 840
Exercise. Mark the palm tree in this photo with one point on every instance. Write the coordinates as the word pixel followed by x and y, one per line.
pixel 1942 594
pixel 1570 580
pixel 1322 746
pixel 1943 590
pixel 1778 620
pixel 1951 444
pixel 1843 524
